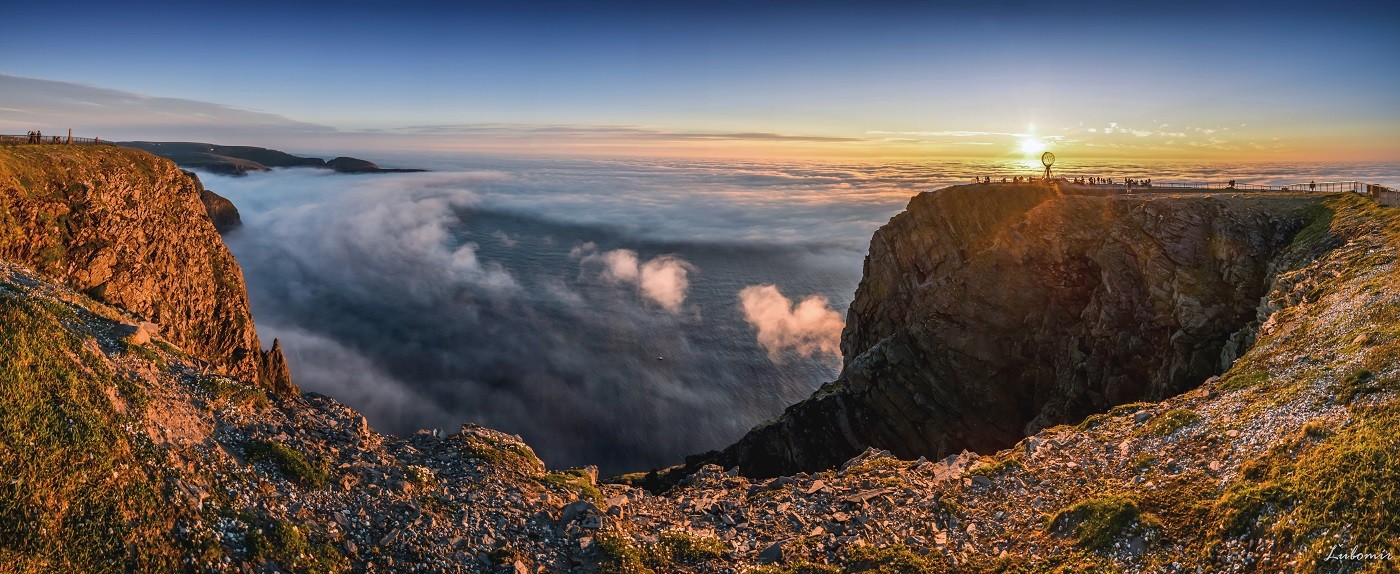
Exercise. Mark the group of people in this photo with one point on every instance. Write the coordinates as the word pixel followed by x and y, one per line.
pixel 1129 181
pixel 1015 179
pixel 38 137
pixel 1083 180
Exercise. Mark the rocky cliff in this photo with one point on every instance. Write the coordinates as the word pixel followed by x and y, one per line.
pixel 241 160
pixel 987 313
pixel 131 229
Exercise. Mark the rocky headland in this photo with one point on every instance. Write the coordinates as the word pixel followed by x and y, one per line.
pixel 987 314
pixel 239 160
pixel 1256 334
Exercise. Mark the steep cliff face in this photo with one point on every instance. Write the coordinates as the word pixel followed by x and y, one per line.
pixel 129 228
pixel 989 312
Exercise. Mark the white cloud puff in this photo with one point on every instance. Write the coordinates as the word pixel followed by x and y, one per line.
pixel 809 328
pixel 663 279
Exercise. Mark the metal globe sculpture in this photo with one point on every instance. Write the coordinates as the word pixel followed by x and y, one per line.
pixel 1048 159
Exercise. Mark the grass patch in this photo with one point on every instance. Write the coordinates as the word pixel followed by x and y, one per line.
pixel 575 480
pixel 997 465
pixel 1169 422
pixel 798 567
pixel 1142 461
pixel 1360 383
pixel 891 560
pixel 77 494
pixel 1097 523
pixel 618 555
pixel 1316 491
pixel 222 388
pixel 1243 380
pixel 501 453
pixel 145 353
pixel 290 461
pixel 286 545
pixel 1128 408
pixel 1091 421
pixel 876 463
pixel 419 475
pixel 676 547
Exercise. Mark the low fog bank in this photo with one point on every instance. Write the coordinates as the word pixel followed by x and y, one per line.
pixel 597 312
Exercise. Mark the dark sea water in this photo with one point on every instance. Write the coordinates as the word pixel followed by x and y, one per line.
pixel 612 312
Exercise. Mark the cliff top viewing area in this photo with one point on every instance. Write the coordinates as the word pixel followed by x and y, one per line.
pixel 39 137
pixel 1093 185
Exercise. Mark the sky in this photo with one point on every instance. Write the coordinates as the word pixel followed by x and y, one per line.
pixel 905 79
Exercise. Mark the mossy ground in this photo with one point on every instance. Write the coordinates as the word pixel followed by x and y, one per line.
pixel 287 545
pixel 1098 523
pixel 575 480
pixel 293 464
pixel 77 494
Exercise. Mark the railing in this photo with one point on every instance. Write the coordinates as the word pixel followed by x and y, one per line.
pixel 23 139
pixel 1144 184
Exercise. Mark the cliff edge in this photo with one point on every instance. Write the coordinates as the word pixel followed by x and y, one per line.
pixel 987 313
pixel 131 229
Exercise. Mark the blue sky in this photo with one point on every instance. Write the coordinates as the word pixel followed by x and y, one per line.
pixel 1313 77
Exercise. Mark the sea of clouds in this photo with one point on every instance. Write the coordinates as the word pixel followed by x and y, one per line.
pixel 622 313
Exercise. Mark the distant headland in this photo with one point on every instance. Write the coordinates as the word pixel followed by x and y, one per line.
pixel 239 160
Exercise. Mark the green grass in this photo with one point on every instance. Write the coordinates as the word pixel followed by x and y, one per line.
pixel 1169 422
pixel 288 546
pixel 74 496
pixel 1142 461
pixel 1092 421
pixel 1128 408
pixel 617 554
pixel 291 462
pixel 225 389
pixel 798 567
pixel 1097 523
pixel 502 453
pixel 1322 489
pixel 673 549
pixel 891 560
pixel 574 480
pixel 996 465
pixel 1364 382
pixel 1236 380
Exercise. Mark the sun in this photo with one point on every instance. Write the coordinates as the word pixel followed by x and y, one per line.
pixel 1032 146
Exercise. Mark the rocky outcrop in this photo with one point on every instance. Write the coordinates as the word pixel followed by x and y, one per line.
pixel 351 165
pixel 355 165
pixel 225 159
pixel 240 160
pixel 130 229
pixel 221 211
pixel 987 313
